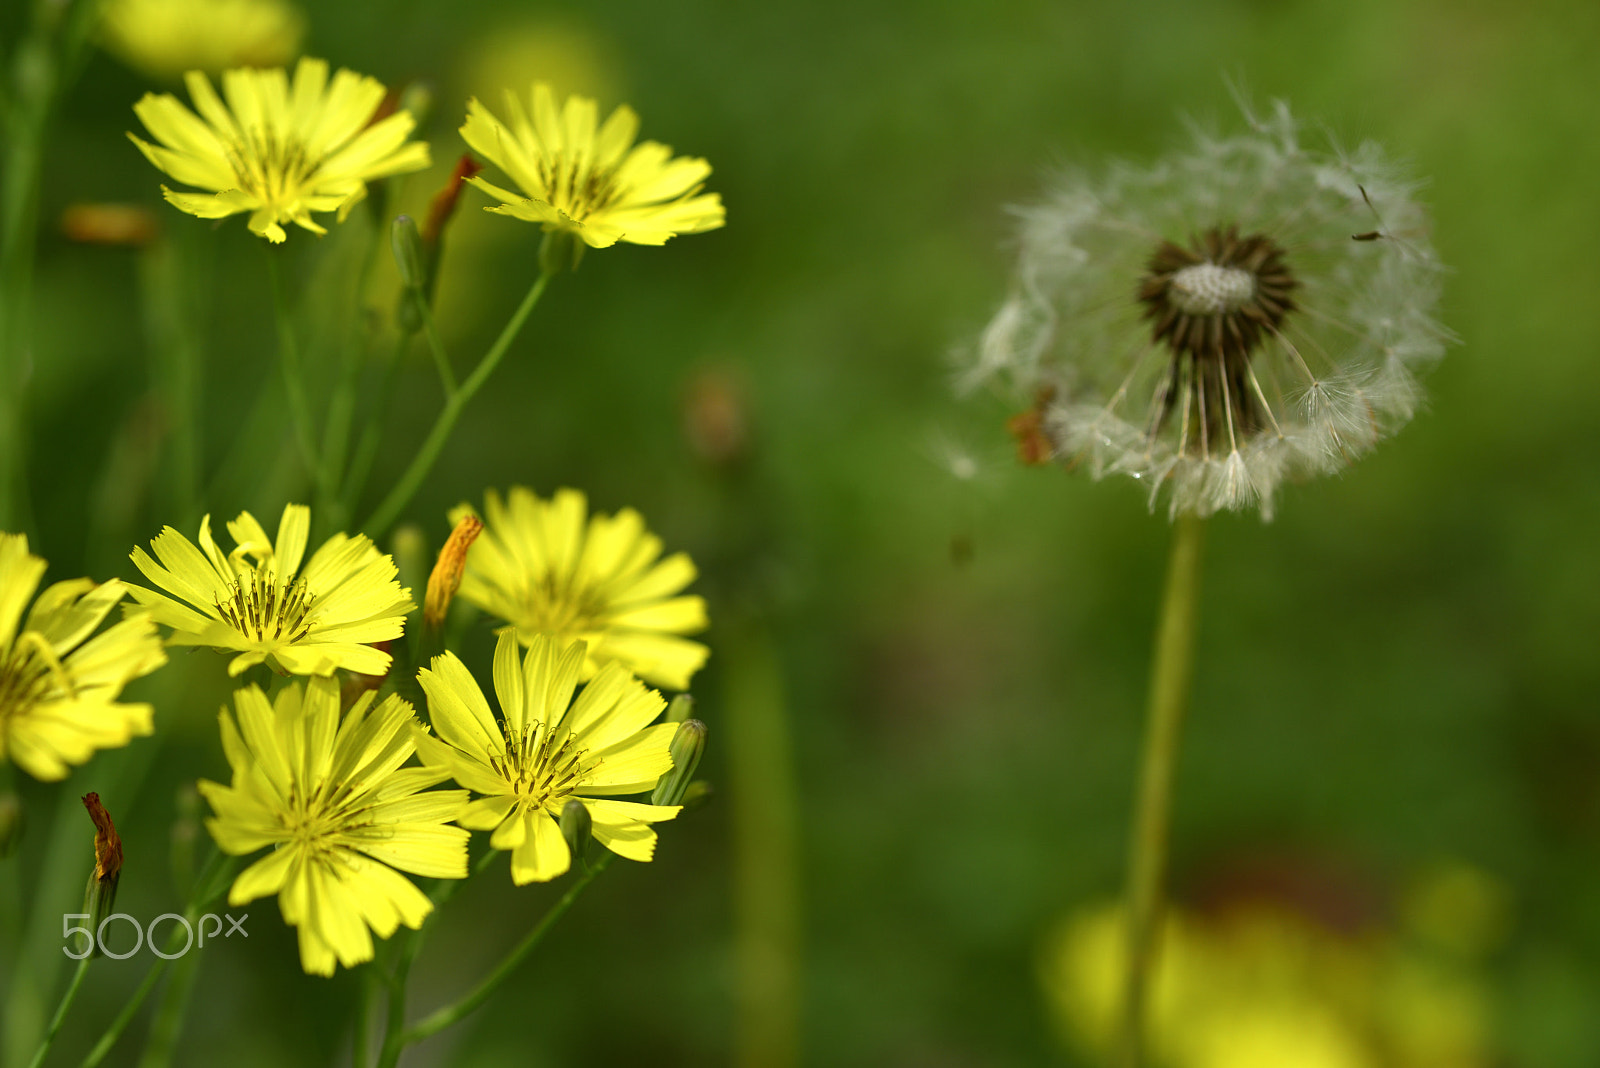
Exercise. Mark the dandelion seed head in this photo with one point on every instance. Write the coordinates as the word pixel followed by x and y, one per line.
pixel 1242 312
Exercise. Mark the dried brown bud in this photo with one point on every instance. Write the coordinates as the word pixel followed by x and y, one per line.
pixel 1033 445
pixel 716 417
pixel 127 225
pixel 443 204
pixel 446 577
pixel 100 897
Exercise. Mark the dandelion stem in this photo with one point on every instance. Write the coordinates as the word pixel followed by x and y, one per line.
pixel 1172 670
pixel 379 522
pixel 293 376
pixel 61 1012
pixel 453 1013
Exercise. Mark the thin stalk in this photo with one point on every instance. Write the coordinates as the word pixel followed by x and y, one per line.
pixel 166 283
pixel 341 406
pixel 372 431
pixel 170 1012
pixel 767 907
pixel 360 1051
pixel 455 1012
pixel 379 522
pixel 207 886
pixel 430 330
pixel 20 166
pixel 61 1012
pixel 294 384
pixel 1171 673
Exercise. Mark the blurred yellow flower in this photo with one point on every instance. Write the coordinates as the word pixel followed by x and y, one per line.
pixel 58 686
pixel 1262 985
pixel 544 570
pixel 276 150
pixel 251 601
pixel 164 38
pixel 548 749
pixel 596 184
pixel 332 798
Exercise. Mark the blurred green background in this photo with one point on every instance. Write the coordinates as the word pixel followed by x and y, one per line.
pixel 1398 672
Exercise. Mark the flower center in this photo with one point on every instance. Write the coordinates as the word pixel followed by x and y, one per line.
pixel 554 607
pixel 577 189
pixel 29 675
pixel 538 767
pixel 1212 304
pixel 1210 289
pixel 264 611
pixel 270 167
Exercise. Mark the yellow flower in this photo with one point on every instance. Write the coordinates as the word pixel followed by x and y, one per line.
pixel 250 601
pixel 596 184
pixel 277 151
pixel 539 567
pixel 343 814
pixel 58 686
pixel 548 749
pixel 163 38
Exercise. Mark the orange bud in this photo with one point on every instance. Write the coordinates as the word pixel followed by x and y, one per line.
pixel 443 204
pixel 130 225
pixel 446 577
pixel 107 843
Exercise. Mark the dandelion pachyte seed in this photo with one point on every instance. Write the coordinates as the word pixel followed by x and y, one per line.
pixel 1240 313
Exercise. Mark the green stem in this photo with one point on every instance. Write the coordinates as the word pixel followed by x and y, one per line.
pixel 360 1052
pixel 378 523
pixel 441 359
pixel 294 384
pixel 176 346
pixel 767 907
pixel 372 430
pixel 1171 674
pixel 453 1013
pixel 125 1017
pixel 170 1011
pixel 61 1012
pixel 207 886
pixel 19 197
pixel 341 406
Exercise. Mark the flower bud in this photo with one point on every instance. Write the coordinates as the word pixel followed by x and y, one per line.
pixel 410 548
pixel 448 569
pixel 576 824
pixel 686 747
pixel 99 899
pixel 11 823
pixel 418 99
pixel 407 246
pixel 126 225
pixel 698 793
pixel 679 708
pixel 185 832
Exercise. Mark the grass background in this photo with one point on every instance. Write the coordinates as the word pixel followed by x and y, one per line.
pixel 1400 669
